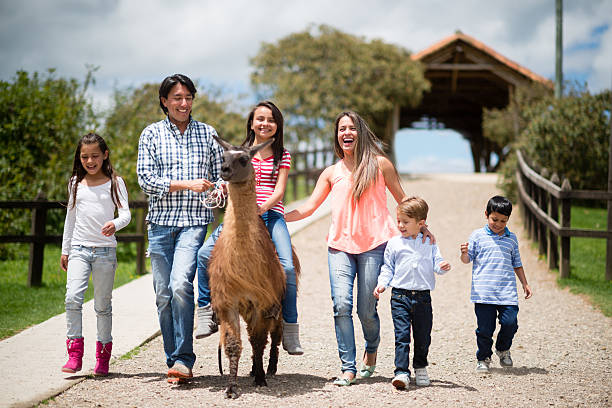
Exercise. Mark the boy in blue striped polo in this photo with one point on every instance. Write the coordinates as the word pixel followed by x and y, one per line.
pixel 495 253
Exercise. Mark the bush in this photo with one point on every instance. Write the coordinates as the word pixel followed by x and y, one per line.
pixel 570 136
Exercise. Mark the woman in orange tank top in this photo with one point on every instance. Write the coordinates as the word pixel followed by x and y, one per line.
pixel 360 227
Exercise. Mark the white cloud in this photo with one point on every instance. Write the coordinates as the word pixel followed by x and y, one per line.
pixel 143 41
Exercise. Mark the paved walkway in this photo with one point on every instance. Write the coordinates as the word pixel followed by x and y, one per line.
pixel 30 361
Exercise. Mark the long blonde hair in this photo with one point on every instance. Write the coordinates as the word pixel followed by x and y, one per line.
pixel 367 150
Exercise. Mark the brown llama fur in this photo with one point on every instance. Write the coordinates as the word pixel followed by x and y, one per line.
pixel 246 278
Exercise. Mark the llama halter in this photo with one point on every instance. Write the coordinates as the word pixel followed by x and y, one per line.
pixel 216 197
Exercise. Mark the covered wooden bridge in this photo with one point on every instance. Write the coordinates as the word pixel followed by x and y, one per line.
pixel 466 76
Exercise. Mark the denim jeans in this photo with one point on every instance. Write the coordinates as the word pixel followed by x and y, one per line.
pixel 173 252
pixel 343 268
pixel 203 257
pixel 485 316
pixel 101 263
pixel 277 227
pixel 411 308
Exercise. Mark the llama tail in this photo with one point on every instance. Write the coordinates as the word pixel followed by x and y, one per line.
pixel 219 359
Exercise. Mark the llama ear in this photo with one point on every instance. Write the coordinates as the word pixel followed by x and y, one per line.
pixel 260 146
pixel 223 143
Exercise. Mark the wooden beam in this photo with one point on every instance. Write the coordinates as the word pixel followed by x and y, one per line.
pixel 460 67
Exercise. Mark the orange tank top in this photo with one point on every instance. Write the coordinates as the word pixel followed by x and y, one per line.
pixel 358 226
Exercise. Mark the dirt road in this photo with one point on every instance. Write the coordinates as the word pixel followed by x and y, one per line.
pixel 561 351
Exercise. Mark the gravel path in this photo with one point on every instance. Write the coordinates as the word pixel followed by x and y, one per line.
pixel 561 351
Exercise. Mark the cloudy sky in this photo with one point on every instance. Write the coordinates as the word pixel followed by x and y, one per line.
pixel 211 41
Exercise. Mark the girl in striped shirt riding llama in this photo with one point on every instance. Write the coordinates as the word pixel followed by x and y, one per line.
pixel 494 252
pixel 271 165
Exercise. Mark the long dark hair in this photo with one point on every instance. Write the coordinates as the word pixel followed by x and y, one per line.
pixel 79 172
pixel 278 146
pixel 367 150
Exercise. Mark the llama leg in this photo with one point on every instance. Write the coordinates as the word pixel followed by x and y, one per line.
pixel 258 336
pixel 275 338
pixel 233 350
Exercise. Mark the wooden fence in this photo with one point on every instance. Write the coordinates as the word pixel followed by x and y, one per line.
pixel 306 167
pixel 38 237
pixel 540 200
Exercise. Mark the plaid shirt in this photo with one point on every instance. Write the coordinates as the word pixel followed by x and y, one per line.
pixel 164 154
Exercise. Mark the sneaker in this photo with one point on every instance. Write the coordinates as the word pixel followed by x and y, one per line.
pixel 207 322
pixel 180 370
pixel 422 379
pixel 483 365
pixel 401 381
pixel 504 358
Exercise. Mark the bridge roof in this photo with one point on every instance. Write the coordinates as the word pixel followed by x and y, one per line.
pixel 435 52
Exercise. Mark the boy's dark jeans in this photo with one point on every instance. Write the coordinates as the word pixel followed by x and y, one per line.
pixel 485 316
pixel 411 307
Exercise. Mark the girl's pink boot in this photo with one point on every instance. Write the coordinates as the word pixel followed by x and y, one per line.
pixel 75 355
pixel 103 355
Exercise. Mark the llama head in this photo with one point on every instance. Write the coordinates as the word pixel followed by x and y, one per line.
pixel 236 166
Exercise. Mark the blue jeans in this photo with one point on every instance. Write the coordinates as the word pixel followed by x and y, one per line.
pixel 173 253
pixel 343 268
pixel 277 227
pixel 485 316
pixel 101 263
pixel 411 308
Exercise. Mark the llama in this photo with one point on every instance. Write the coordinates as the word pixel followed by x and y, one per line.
pixel 246 277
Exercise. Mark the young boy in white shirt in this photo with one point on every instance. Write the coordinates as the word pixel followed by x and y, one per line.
pixel 409 270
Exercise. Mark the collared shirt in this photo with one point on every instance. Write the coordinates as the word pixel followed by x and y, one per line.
pixel 164 154
pixel 494 258
pixel 410 264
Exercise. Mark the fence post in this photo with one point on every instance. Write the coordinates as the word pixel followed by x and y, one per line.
pixel 553 211
pixel 37 248
pixel 140 245
pixel 566 209
pixel 543 204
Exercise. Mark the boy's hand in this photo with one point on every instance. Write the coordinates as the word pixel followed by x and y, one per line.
pixel 378 290
pixel 527 291
pixel 64 262
pixel 445 266
pixel 464 248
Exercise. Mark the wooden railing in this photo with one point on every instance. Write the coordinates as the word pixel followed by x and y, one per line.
pixel 306 167
pixel 38 237
pixel 540 200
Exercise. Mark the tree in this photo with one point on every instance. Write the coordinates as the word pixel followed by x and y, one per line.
pixel 502 127
pixel 571 136
pixel 315 74
pixel 134 109
pixel 41 120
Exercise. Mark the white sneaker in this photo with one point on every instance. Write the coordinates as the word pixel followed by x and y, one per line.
pixel 422 379
pixel 504 358
pixel 483 365
pixel 401 381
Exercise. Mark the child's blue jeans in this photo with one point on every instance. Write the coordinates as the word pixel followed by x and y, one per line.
pixel 485 316
pixel 100 263
pixel 411 308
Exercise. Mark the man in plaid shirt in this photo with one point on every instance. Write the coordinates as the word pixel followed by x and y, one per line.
pixel 178 160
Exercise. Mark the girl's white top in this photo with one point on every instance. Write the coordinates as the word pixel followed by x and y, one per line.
pixel 94 208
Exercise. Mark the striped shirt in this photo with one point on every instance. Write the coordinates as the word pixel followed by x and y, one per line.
pixel 495 257
pixel 266 176
pixel 164 154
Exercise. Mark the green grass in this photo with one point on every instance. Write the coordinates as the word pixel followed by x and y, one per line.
pixel 23 306
pixel 588 260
